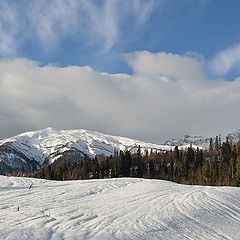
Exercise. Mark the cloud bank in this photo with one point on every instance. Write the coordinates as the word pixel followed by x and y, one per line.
pixel 167 95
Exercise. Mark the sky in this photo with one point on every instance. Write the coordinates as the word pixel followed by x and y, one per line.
pixel 146 69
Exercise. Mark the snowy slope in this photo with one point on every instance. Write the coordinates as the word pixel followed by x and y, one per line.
pixel 34 149
pixel 48 144
pixel 117 209
pixel 200 141
pixel 187 140
pixel 234 136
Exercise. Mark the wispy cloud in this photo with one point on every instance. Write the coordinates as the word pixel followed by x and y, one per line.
pixel 9 27
pixel 226 61
pixel 110 20
pixel 49 22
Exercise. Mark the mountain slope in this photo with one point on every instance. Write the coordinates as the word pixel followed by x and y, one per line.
pixel 188 140
pixel 234 136
pixel 32 150
pixel 45 146
pixel 123 208
pixel 200 141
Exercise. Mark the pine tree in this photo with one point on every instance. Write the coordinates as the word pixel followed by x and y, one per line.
pixel 211 144
pixel 139 150
pixel 216 143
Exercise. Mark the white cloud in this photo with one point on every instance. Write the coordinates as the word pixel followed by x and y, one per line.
pixel 49 22
pixel 174 66
pixel 225 61
pixel 167 95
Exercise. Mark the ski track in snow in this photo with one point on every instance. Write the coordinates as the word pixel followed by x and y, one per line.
pixel 124 208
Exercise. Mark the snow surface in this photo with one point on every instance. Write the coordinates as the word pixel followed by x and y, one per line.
pixel 124 208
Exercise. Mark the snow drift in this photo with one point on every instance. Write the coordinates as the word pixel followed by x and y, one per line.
pixel 125 208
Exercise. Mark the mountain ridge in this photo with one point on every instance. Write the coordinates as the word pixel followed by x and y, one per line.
pixel 42 147
pixel 35 149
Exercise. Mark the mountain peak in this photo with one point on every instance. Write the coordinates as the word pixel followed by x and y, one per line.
pixel 44 146
pixel 47 145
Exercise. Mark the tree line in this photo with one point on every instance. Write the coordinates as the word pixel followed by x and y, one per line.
pixel 216 166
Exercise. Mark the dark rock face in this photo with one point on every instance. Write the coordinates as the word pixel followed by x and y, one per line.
pixel 12 160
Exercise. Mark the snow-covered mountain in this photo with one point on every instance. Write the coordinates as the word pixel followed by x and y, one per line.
pixel 200 141
pixel 234 136
pixel 34 149
pixel 189 140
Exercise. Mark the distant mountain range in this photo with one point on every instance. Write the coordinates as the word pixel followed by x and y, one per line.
pixel 32 150
pixel 200 141
pixel 187 140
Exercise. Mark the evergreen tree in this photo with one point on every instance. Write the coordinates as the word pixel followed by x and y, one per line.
pixel 211 144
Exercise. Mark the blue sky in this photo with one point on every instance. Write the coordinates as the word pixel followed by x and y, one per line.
pixel 201 26
pixel 189 45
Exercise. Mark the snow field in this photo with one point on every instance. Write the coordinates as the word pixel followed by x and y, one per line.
pixel 124 208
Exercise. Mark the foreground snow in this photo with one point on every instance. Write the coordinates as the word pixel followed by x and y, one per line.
pixel 116 209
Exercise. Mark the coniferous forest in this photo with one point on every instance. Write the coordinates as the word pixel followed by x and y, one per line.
pixel 219 165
